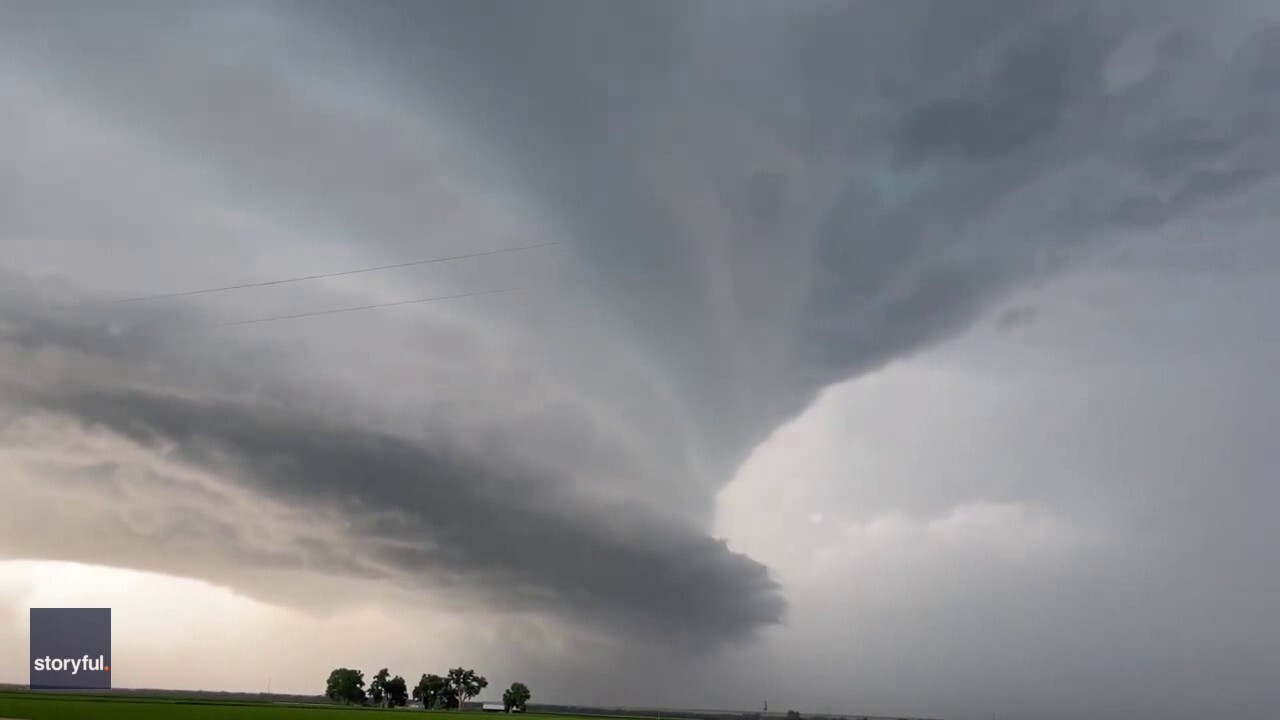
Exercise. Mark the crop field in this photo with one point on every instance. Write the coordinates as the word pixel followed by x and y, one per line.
pixel 42 706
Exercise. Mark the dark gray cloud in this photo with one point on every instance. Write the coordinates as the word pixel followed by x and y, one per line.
pixel 441 514
pixel 423 512
pixel 1031 88
pixel 813 302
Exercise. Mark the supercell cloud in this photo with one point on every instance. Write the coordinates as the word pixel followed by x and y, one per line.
pixel 756 200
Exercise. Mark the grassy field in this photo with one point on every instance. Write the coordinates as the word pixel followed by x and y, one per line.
pixel 25 705
pixel 43 706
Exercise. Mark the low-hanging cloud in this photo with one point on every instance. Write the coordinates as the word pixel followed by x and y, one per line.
pixel 420 512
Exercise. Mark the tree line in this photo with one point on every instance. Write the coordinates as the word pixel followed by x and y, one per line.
pixel 448 692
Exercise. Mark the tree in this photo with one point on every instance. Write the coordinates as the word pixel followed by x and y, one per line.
pixel 515 697
pixel 793 715
pixel 466 684
pixel 397 692
pixel 378 688
pixel 345 686
pixel 449 699
pixel 430 690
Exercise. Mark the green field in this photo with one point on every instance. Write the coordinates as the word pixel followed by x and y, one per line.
pixel 41 706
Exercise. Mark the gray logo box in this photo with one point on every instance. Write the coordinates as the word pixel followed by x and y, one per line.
pixel 70 648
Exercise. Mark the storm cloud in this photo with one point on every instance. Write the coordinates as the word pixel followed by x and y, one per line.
pixel 757 201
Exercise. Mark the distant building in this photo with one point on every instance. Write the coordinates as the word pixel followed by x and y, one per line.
pixel 493 707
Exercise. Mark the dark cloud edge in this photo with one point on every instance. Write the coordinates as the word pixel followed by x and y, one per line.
pixel 432 516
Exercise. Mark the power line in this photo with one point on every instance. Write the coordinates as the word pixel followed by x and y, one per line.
pixel 320 276
pixel 358 308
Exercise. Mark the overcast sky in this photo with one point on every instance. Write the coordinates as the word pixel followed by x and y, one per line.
pixel 904 358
